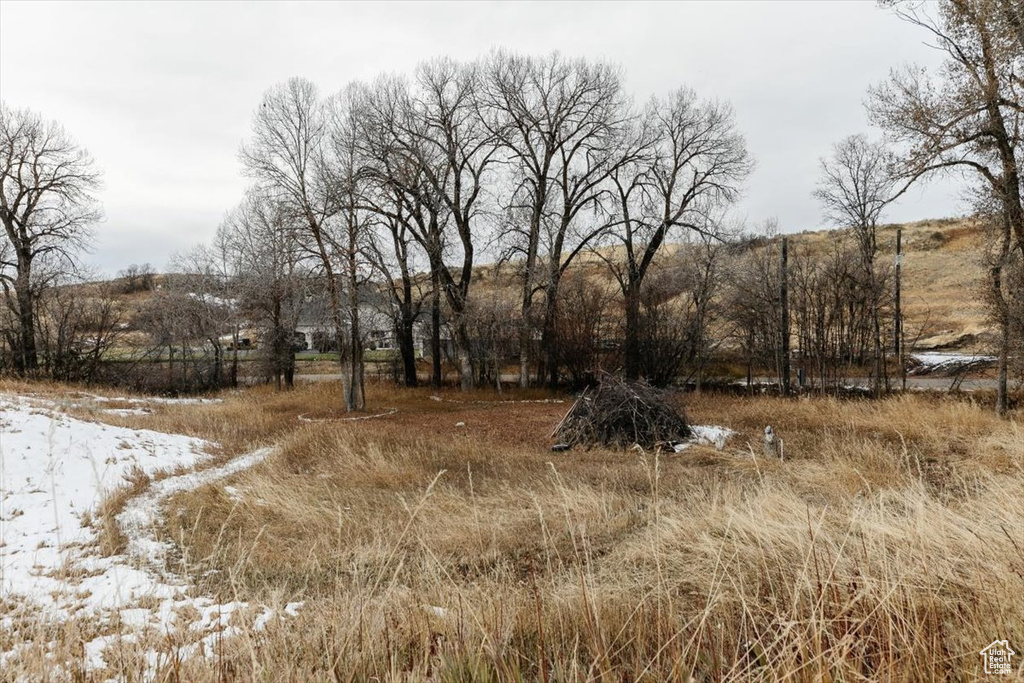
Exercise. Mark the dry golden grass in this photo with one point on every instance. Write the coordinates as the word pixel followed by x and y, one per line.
pixel 889 545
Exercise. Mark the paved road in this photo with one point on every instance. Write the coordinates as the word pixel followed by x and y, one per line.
pixel 937 383
pixel 930 383
pixel 335 377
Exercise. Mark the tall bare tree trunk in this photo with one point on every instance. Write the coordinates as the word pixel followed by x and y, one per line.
pixel 526 334
pixel 465 356
pixel 549 336
pixel 526 330
pixel 407 331
pixel 355 393
pixel 234 356
pixel 897 323
pixel 1002 309
pixel 632 340
pixel 435 330
pixel 277 352
pixel 1003 314
pixel 784 322
pixel 525 342
pixel 407 346
pixel 334 299
pixel 355 396
pixel 27 359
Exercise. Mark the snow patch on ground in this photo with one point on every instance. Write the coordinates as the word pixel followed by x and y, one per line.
pixel 706 435
pixel 54 471
pixel 950 361
pixel 116 405
pixel 141 514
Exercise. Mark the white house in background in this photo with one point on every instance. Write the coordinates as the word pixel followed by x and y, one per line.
pixel 315 329
pixel 377 327
pixel 378 335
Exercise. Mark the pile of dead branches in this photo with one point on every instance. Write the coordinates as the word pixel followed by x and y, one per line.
pixel 620 414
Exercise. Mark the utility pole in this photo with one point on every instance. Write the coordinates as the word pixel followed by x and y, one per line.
pixel 897 327
pixel 784 299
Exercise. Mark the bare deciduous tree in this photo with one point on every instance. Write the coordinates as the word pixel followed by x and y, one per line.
pixel 76 326
pixel 47 205
pixel 289 154
pixel 585 318
pixel 201 308
pixel 391 251
pixel 856 185
pixel 355 220
pixel 561 122
pixel 260 242
pixel 693 163
pixel 434 148
pixel 410 208
pixel 968 116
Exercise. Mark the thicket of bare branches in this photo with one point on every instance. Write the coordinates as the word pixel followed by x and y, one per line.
pixel 857 183
pixel 692 163
pixel 621 414
pixel 136 278
pixel 258 245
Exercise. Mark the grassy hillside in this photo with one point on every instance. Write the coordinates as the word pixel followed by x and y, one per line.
pixel 943 279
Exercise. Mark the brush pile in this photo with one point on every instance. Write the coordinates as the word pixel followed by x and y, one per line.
pixel 620 414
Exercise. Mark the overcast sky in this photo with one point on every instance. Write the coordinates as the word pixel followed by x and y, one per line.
pixel 162 93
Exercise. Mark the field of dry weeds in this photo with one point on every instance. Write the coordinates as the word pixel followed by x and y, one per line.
pixel 445 541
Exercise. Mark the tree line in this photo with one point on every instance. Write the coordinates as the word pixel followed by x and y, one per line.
pixel 392 194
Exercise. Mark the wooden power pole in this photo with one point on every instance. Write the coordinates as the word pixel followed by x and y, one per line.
pixel 897 323
pixel 784 300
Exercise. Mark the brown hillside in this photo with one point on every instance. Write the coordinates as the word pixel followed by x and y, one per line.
pixel 943 279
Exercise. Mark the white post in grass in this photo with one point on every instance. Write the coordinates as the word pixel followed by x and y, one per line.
pixel 772 444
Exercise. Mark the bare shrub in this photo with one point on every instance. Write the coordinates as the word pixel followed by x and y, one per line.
pixel 136 278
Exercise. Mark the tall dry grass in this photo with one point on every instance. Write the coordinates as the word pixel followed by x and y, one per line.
pixel 889 545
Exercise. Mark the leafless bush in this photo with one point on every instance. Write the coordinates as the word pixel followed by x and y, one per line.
pixel 493 326
pixel 73 333
pixel 582 320
pixel 136 278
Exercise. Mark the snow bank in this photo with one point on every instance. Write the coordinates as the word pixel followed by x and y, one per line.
pixel 931 362
pixel 156 400
pixel 706 435
pixel 54 471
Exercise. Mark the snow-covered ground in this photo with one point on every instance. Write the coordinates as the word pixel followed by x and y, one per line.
pixel 706 435
pixel 54 471
pixel 933 362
